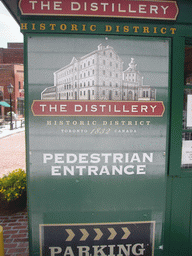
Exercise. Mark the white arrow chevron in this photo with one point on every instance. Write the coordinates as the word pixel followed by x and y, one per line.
pixel 85 234
pixel 99 234
pixel 113 233
pixel 71 235
pixel 127 233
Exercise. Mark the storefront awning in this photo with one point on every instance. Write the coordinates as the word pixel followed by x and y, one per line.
pixel 4 104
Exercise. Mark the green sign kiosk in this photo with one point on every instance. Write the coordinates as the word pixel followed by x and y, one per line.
pixel 107 134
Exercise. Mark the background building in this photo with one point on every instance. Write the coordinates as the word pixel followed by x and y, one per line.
pixel 12 71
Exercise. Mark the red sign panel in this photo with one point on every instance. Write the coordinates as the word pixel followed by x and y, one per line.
pixel 167 10
pixel 97 108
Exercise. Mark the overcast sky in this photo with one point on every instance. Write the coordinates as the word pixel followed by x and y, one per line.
pixel 9 29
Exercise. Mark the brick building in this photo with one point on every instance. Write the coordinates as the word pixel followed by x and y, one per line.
pixel 12 71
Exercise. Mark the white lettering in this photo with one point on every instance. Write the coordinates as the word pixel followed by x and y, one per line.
pixel 68 251
pixel 133 11
pixel 55 171
pixel 83 250
pixel 55 250
pixel 66 170
pixel 71 158
pixel 45 5
pixel 154 8
pixel 164 9
pixel 94 7
pixel 153 108
pixel 104 6
pixel 59 158
pixel 47 157
pixel 33 4
pixel 83 158
pixel 128 167
pixel 78 108
pixel 99 251
pixel 140 169
pixel 138 251
pixel 57 6
pixel 142 8
pixel 77 6
pixel 63 108
pixel 43 107
pixel 119 8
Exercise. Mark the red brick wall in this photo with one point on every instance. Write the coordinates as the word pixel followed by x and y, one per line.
pixel 13 74
pixel 15 45
pixel 1 55
pixel 12 55
pixel 11 71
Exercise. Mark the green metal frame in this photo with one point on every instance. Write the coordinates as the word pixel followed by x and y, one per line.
pixel 178 231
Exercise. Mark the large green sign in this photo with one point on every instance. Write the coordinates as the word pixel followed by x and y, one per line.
pixel 97 138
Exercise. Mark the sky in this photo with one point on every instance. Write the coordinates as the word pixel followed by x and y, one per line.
pixel 9 29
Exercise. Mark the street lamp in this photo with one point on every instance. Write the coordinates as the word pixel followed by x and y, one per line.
pixel 10 91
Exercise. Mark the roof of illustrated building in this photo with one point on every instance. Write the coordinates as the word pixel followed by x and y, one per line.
pixel 99 49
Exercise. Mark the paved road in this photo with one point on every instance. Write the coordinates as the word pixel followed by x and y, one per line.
pixel 12 153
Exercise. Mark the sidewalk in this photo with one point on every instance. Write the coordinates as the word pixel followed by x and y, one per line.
pixel 5 129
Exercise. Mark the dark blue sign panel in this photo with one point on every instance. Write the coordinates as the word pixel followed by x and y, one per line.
pixel 110 239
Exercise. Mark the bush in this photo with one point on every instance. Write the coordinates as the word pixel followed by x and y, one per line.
pixel 13 185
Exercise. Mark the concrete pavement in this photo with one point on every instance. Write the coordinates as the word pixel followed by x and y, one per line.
pixel 5 129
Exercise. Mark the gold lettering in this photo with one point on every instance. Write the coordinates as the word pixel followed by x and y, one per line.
pixel 24 26
pixel 93 27
pixel 108 28
pixel 52 26
pixel 117 29
pixel 74 27
pixel 42 26
pixel 33 26
pixel 84 27
pixel 146 30
pixel 155 30
pixel 63 27
pixel 126 29
pixel 173 30
pixel 163 30
pixel 135 29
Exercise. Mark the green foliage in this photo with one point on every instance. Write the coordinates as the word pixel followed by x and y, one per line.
pixel 13 185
